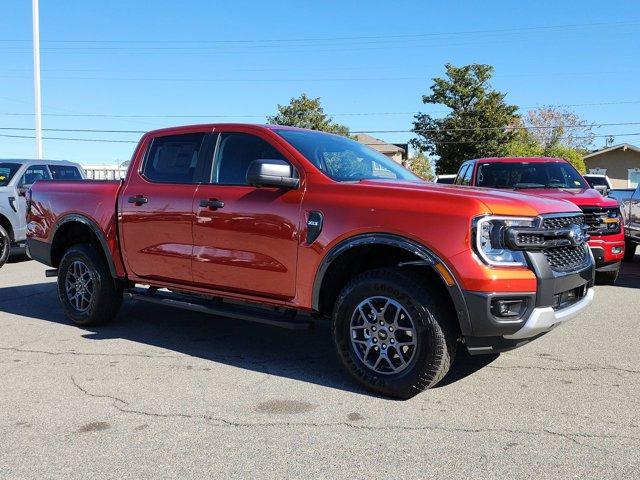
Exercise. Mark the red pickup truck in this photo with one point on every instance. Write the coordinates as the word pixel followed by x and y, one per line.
pixel 557 178
pixel 284 225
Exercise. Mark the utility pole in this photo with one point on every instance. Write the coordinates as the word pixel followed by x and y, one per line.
pixel 36 77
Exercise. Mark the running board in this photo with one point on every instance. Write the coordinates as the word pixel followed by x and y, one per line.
pixel 217 307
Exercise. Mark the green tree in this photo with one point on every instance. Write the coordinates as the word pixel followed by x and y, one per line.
pixel 306 112
pixel 421 166
pixel 477 125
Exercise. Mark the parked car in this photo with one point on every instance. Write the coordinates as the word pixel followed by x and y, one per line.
pixel 445 178
pixel 265 222
pixel 16 176
pixel 629 199
pixel 598 182
pixel 557 179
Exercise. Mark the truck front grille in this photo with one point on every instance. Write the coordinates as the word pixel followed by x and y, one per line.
pixel 563 259
pixel 554 223
pixel 601 221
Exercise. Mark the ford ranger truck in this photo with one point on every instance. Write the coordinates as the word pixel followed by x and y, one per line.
pixel 282 225
pixel 558 179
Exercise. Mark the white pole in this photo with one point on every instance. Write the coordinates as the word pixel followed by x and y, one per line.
pixel 36 77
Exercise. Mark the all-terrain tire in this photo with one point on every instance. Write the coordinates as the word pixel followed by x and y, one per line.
pixel 435 327
pixel 5 245
pixel 87 291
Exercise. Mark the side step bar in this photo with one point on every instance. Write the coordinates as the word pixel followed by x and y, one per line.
pixel 221 308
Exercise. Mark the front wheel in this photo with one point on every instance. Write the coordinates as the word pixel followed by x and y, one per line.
pixel 86 289
pixel 394 334
pixel 5 245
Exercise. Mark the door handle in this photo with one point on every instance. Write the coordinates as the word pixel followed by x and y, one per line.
pixel 138 199
pixel 212 203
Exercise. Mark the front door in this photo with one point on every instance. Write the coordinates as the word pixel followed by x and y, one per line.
pixel 156 206
pixel 245 238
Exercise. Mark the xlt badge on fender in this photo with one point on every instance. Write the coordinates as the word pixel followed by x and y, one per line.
pixel 314 226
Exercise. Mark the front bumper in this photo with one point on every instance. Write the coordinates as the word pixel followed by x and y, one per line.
pixel 603 248
pixel 558 298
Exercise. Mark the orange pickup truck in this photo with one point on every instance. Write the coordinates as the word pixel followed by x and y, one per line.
pixel 282 225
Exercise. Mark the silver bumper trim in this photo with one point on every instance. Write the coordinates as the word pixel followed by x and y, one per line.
pixel 543 319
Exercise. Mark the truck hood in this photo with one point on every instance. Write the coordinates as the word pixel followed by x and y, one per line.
pixel 582 197
pixel 499 202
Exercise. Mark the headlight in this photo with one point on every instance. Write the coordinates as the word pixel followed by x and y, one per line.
pixel 489 240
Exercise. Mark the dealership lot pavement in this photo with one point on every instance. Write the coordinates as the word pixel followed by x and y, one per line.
pixel 164 393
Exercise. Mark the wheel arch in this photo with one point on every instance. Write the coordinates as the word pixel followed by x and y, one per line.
pixel 409 253
pixel 73 229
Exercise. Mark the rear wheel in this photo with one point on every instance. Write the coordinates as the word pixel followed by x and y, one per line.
pixel 629 251
pixel 394 334
pixel 86 289
pixel 5 245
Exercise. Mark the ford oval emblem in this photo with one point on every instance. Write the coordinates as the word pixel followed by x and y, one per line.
pixel 576 235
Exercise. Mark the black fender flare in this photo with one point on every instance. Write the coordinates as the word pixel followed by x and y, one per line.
pixel 97 231
pixel 424 254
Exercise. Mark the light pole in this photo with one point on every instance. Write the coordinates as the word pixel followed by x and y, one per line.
pixel 36 77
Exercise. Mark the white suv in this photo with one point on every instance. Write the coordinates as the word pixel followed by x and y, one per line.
pixel 16 177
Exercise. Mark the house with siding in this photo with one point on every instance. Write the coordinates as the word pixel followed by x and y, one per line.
pixel 398 152
pixel 621 163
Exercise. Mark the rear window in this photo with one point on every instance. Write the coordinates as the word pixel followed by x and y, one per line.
pixel 174 158
pixel 64 172
pixel 7 171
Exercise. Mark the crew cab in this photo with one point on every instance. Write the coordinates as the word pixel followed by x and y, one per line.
pixel 556 178
pixel 630 207
pixel 284 226
pixel 16 177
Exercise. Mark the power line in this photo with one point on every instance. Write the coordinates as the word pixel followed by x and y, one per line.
pixel 105 140
pixel 542 28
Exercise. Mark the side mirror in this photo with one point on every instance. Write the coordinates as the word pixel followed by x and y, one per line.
pixel 22 190
pixel 272 173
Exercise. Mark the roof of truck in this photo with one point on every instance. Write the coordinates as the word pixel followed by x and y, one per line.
pixel 33 160
pixel 519 159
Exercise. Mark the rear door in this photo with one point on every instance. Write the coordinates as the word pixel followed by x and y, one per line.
pixel 247 242
pixel 634 215
pixel 156 207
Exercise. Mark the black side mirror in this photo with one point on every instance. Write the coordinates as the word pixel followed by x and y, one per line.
pixel 272 173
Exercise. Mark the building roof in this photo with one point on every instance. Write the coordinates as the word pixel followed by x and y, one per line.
pixel 379 145
pixel 623 146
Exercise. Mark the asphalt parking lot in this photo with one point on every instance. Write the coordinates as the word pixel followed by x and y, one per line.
pixel 164 393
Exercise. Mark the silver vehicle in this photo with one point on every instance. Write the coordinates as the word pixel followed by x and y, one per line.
pixel 16 177
pixel 629 199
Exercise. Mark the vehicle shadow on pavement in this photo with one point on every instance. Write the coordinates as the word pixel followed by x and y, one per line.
pixel 305 355
pixel 629 274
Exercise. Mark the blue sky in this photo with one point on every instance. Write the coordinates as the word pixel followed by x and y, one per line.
pixel 207 61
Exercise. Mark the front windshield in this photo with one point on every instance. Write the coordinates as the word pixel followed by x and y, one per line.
pixel 344 159
pixel 597 181
pixel 7 171
pixel 528 175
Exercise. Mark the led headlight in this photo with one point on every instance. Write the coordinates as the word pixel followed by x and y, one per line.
pixel 489 240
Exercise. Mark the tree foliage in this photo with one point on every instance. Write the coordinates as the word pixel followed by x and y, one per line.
pixel 421 166
pixel 545 133
pixel 306 112
pixel 477 125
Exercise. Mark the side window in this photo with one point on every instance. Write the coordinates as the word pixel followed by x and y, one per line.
pixel 64 172
pixel 461 174
pixel 234 154
pixel 466 178
pixel 35 173
pixel 174 158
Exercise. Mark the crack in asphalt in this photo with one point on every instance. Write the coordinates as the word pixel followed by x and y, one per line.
pixel 96 395
pixel 586 368
pixel 121 406
pixel 87 354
